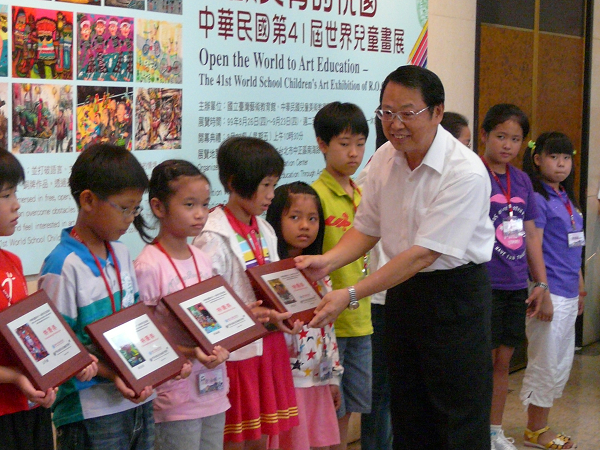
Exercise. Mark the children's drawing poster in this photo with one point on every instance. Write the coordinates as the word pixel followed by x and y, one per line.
pixel 159 56
pixel 42 114
pixel 3 116
pixel 158 118
pixel 105 47
pixel 42 43
pixel 104 116
pixel 82 2
pixel 4 40
pixel 165 6
pixel 131 4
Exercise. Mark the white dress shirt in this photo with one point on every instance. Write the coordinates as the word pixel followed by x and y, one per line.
pixel 443 204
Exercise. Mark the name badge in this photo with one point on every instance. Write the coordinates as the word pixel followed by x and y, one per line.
pixel 325 371
pixel 210 381
pixel 512 227
pixel 576 239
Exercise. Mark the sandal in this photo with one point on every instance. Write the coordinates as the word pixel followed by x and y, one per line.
pixel 558 443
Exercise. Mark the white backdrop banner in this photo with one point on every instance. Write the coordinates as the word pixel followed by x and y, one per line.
pixel 174 78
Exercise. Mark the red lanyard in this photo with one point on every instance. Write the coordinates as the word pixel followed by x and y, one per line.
pixel 505 192
pixel 255 245
pixel 162 249
pixel 17 273
pixel 97 261
pixel 357 189
pixel 567 204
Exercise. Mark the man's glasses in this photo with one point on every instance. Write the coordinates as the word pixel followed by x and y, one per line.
pixel 402 116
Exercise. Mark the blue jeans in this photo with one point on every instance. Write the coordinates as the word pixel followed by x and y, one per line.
pixel 355 387
pixel 128 430
pixel 376 427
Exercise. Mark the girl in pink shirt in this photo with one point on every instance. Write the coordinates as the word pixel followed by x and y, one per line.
pixel 189 413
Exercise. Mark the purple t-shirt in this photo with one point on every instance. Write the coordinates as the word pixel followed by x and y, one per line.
pixel 562 263
pixel 508 267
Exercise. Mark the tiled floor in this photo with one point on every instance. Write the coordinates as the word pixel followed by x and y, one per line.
pixel 577 413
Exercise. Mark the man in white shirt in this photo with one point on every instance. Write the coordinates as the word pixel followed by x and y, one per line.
pixel 426 198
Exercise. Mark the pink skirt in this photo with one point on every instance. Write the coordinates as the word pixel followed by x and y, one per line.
pixel 318 422
pixel 261 393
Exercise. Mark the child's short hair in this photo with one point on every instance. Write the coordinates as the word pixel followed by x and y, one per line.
pixel 244 162
pixel 502 112
pixel 549 143
pixel 335 118
pixel 11 170
pixel 281 204
pixel 454 123
pixel 106 170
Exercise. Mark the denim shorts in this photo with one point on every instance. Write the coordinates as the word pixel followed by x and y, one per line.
pixel 128 430
pixel 355 357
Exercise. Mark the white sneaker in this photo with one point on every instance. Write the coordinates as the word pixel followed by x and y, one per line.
pixel 502 442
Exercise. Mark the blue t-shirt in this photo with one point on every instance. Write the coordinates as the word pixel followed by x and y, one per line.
pixel 508 267
pixel 562 262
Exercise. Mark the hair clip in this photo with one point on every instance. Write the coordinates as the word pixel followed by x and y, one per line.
pixel 531 145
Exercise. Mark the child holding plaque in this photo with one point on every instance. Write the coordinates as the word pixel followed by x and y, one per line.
pixel 90 276
pixel 296 216
pixel 189 413
pixel 235 238
pixel 17 394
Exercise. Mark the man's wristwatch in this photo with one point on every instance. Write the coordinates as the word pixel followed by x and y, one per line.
pixel 353 300
pixel 541 284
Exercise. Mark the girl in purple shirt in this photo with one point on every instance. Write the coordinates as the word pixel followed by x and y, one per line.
pixel 549 164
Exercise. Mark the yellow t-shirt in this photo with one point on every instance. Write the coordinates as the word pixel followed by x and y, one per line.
pixel 338 208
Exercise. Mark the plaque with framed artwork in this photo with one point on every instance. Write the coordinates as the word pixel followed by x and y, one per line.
pixel 213 314
pixel 284 288
pixel 45 346
pixel 139 352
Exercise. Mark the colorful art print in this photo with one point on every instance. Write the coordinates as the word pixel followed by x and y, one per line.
pixel 4 41
pixel 3 116
pixel 42 118
pixel 32 342
pixel 82 2
pixel 104 115
pixel 158 118
pixel 158 49
pixel 204 318
pixel 281 291
pixel 131 4
pixel 131 353
pixel 165 6
pixel 105 47
pixel 42 43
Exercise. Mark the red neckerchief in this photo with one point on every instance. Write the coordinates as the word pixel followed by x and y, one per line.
pixel 245 230
pixel 162 249
pixel 97 261
pixel 17 274
pixel 506 191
